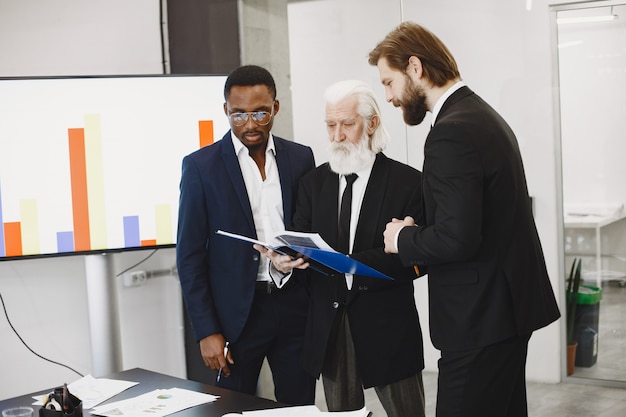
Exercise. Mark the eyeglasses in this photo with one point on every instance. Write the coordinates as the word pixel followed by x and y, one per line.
pixel 259 117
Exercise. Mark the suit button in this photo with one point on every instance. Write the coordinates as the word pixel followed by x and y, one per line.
pixel 363 288
pixel 255 257
pixel 335 304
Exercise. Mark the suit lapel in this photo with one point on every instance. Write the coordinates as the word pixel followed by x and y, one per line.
pixel 236 177
pixel 329 206
pixel 372 204
pixel 283 163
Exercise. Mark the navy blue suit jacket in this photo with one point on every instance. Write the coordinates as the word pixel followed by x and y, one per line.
pixel 218 274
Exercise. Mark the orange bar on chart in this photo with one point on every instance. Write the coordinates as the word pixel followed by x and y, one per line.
pixel 78 178
pixel 13 238
pixel 148 242
pixel 205 128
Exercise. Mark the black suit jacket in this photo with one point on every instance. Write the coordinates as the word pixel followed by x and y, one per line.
pixel 486 271
pixel 383 318
pixel 218 274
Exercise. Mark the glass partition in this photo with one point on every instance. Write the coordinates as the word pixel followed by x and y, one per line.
pixel 591 56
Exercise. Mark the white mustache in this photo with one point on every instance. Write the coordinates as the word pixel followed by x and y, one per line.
pixel 347 157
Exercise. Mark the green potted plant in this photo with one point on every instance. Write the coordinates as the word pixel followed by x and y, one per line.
pixel 571 296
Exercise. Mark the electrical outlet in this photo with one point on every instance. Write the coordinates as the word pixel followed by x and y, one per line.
pixel 134 279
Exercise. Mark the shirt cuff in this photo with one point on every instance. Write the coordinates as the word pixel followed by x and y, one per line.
pixel 279 278
pixel 395 239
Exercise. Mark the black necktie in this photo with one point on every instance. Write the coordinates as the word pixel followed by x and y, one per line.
pixel 343 238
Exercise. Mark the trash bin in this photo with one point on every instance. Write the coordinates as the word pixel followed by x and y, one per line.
pixel 586 325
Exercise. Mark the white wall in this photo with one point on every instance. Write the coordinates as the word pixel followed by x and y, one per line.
pixel 46 298
pixel 503 51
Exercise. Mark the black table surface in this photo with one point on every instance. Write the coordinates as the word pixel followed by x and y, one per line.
pixel 229 401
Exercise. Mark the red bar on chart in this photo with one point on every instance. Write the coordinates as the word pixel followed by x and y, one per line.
pixel 205 128
pixel 78 177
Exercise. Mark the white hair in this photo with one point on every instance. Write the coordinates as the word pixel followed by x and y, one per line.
pixel 367 107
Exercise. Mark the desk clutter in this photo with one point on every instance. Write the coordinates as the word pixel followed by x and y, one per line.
pixel 156 403
pixel 60 403
pixel 90 394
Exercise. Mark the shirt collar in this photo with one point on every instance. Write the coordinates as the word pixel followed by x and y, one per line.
pixel 240 147
pixel 443 98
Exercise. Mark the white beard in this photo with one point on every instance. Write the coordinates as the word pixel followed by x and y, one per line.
pixel 347 157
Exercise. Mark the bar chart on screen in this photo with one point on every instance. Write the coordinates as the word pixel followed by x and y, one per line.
pixel 93 164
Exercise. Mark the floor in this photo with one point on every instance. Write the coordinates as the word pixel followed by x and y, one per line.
pixel 544 400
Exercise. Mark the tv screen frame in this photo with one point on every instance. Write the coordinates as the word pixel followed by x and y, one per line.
pixel 92 164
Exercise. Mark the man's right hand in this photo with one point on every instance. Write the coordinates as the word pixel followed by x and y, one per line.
pixel 283 263
pixel 212 350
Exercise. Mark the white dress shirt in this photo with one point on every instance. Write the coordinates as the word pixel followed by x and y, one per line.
pixel 265 196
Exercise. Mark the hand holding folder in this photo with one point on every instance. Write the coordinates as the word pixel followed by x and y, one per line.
pixel 317 252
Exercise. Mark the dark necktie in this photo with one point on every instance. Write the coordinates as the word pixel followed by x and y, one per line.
pixel 343 238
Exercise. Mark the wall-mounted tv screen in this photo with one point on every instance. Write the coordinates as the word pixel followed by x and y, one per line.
pixel 92 164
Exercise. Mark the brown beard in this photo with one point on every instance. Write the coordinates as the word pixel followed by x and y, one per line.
pixel 413 104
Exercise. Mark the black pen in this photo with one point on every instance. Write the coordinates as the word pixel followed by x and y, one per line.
pixel 219 373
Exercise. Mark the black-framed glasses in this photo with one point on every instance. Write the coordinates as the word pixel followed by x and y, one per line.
pixel 259 117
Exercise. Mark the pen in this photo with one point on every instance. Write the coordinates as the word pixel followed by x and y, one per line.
pixel 219 373
pixel 66 403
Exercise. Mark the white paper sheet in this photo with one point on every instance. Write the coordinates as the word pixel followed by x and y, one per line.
pixel 92 391
pixel 157 403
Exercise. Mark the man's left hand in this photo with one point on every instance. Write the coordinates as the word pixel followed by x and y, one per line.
pixel 391 231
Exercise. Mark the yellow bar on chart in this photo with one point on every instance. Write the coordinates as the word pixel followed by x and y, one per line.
pixel 30 227
pixel 164 224
pixel 95 182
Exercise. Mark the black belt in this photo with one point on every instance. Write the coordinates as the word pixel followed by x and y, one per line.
pixel 267 287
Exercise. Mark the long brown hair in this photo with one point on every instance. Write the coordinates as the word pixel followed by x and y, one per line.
pixel 410 39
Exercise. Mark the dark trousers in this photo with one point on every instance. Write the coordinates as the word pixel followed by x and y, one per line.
pixel 275 329
pixel 489 381
pixel 343 387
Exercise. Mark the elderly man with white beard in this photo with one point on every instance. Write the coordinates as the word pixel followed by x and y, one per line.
pixel 361 332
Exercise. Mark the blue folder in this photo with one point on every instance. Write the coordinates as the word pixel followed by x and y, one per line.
pixel 328 262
